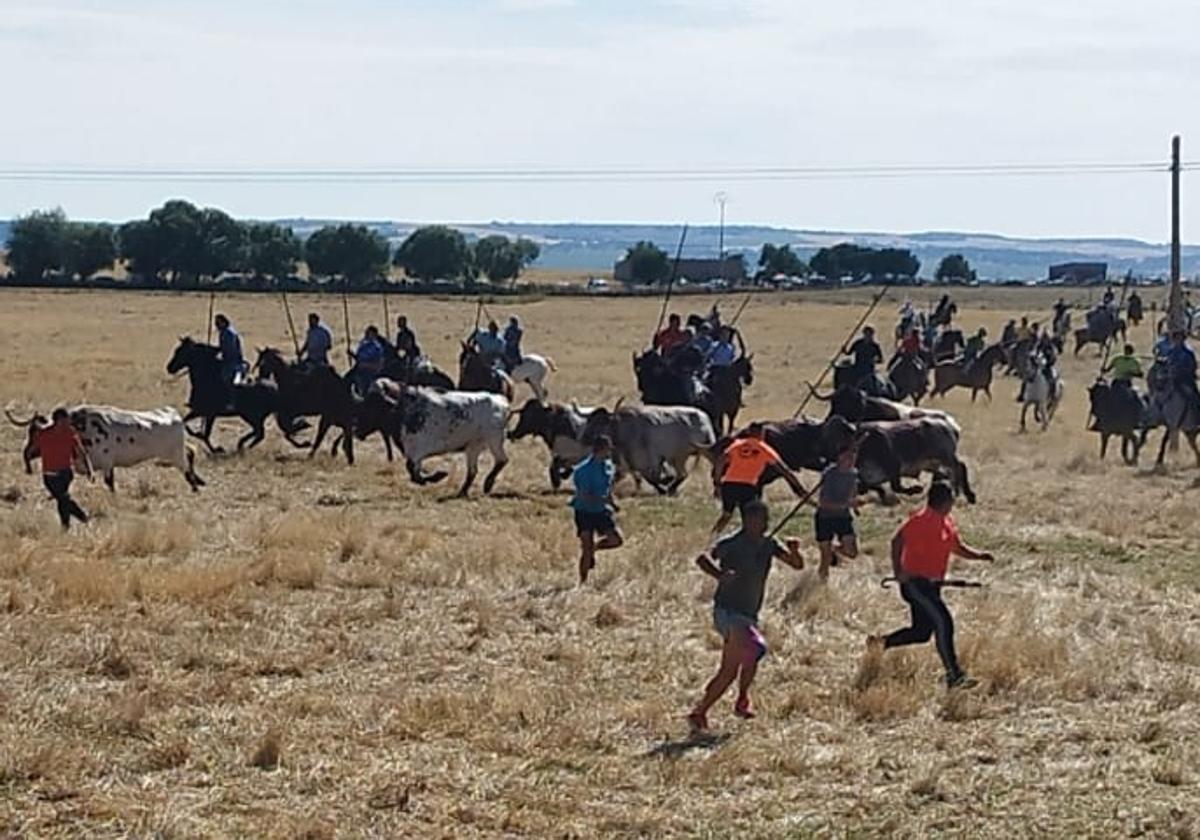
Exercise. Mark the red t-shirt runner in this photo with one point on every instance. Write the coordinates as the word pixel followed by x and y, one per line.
pixel 929 540
pixel 746 459
pixel 58 447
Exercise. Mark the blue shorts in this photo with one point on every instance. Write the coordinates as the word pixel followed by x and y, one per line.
pixel 729 621
pixel 594 522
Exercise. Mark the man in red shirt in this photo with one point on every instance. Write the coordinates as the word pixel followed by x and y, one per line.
pixel 921 550
pixel 671 337
pixel 59 447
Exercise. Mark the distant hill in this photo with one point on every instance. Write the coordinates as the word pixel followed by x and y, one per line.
pixel 595 247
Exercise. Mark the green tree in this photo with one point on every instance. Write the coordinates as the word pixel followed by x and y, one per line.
pixel 500 258
pixel 648 264
pixel 89 248
pixel 143 246
pixel 37 244
pixel 218 248
pixel 354 253
pixel 954 268
pixel 435 252
pixel 782 259
pixel 270 250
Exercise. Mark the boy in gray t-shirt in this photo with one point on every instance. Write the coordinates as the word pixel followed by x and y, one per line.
pixel 835 511
pixel 745 561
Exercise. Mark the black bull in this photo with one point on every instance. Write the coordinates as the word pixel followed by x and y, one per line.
pixel 888 451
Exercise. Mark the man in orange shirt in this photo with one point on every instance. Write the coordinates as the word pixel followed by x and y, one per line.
pixel 59 447
pixel 921 550
pixel 741 470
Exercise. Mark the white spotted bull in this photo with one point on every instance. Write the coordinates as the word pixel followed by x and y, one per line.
pixel 425 422
pixel 116 437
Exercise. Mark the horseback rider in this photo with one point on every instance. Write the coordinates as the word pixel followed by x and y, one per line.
pixel 489 343
pixel 1060 312
pixel 671 337
pixel 1024 331
pixel 974 347
pixel 1009 336
pixel 1124 369
pixel 723 353
pixel 866 352
pixel 1109 300
pixel 1134 308
pixel 317 343
pixel 512 343
pixel 233 364
pixel 406 340
pixel 1181 363
pixel 368 360
pixel 909 348
pixel 944 311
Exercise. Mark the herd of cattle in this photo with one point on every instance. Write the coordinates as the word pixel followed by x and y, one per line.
pixel 653 443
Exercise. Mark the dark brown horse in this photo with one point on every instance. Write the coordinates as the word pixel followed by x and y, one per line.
pixel 976 375
pixel 725 392
pixel 476 373
pixel 313 391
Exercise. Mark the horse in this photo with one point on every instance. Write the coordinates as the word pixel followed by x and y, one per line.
pixel 1102 327
pixel 533 370
pixel 314 391
pixel 1061 329
pixel 1044 393
pixel 910 377
pixel 211 398
pixel 476 373
pixel 976 375
pixel 725 386
pixel 1175 409
pixel 948 345
pixel 419 372
pixel 1118 410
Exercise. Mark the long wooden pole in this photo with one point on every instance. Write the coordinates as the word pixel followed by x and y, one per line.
pixel 662 315
pixel 346 316
pixel 287 310
pixel 1176 317
pixel 387 319
pixel 212 300
pixel 837 355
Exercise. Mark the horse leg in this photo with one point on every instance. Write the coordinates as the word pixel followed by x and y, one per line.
pixel 322 430
pixel 1191 436
pixel 1024 409
pixel 189 472
pixel 1104 445
pixel 387 446
pixel 348 444
pixel 209 422
pixel 1162 449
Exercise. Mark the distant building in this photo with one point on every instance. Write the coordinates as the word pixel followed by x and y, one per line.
pixel 732 270
pixel 1079 273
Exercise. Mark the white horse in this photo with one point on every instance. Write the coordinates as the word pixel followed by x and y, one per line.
pixel 1043 393
pixel 533 371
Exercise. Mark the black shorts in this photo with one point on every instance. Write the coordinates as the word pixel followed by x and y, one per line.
pixel 736 496
pixel 588 522
pixel 830 525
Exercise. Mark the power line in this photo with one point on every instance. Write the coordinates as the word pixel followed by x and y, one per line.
pixel 583 174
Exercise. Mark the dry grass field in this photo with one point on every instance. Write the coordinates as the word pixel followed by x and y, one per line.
pixel 306 649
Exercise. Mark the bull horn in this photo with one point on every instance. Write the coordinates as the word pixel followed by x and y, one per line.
pixel 25 424
pixel 617 407
pixel 813 389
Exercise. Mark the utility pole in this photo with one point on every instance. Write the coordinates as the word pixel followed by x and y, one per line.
pixel 721 198
pixel 1176 317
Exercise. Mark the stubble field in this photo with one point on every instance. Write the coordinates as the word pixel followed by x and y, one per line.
pixel 310 649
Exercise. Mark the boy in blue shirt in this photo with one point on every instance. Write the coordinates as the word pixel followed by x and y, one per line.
pixel 593 478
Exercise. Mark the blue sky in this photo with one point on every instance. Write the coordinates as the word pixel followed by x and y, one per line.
pixel 568 83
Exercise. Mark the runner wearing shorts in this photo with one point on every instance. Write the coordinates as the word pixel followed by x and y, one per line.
pixel 834 519
pixel 745 561
pixel 741 470
pixel 594 506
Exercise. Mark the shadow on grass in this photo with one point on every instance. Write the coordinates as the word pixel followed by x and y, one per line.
pixel 678 749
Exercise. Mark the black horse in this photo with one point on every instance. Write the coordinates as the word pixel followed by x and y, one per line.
pixel 419 372
pixel 314 391
pixel 672 381
pixel 211 398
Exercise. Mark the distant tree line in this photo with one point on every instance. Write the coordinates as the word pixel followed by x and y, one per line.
pixel 650 264
pixel 181 244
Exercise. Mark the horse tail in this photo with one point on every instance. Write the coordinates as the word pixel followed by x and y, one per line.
pixel 550 364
